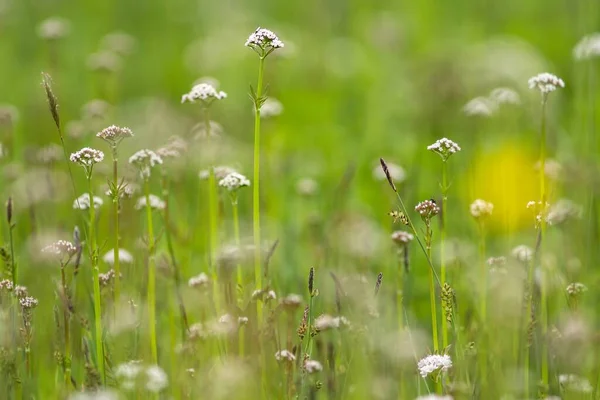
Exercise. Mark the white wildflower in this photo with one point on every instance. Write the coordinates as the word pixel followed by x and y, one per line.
pixel 156 203
pixel 220 172
pixel 263 41
pixel 546 83
pixel 552 168
pixel 204 92
pixel 233 181
pixel 480 106
pixel 292 300
pixel 522 253
pixel 201 280
pixel 144 160
pixel 127 373
pixel 311 366
pixel 242 320
pixel 271 108
pixel 83 202
pixel 21 291
pixel 28 303
pixel 119 42
pixel 588 47
pixel 576 288
pixel 124 257
pixel 156 379
pixel 503 95
pixel 434 363
pixel 95 395
pixel 575 383
pixel 114 134
pixel 285 355
pixel 402 237
pixel 87 157
pixel 307 187
pixel 105 61
pixel 444 147
pixel 61 248
pixel 435 397
pixel 563 210
pixel 481 208
pixel 53 28
pixel 427 209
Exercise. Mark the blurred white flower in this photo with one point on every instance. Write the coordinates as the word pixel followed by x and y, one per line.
pixel 124 257
pixel 311 366
pixel 576 288
pixel 481 208
pixel 203 92
pixel 503 95
pixel 156 203
pixel 53 28
pixel 402 237
pixel 480 106
pixel 307 187
pixel 285 355
pixel 119 42
pixel 83 202
pixel 588 47
pixel 104 61
pixel 434 363
pixel 157 379
pixel 144 160
pixel 271 108
pixel 574 383
pixel 522 253
pixel 87 157
pixel 95 395
pixel 201 280
pixel 546 82
pixel 220 172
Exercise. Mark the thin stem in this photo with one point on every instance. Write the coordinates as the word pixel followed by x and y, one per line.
pixel 13 264
pixel 256 191
pixel 96 272
pixel 483 304
pixel 240 278
pixel 432 297
pixel 116 195
pixel 443 244
pixel 213 223
pixel 543 294
pixel 151 275
pixel 67 338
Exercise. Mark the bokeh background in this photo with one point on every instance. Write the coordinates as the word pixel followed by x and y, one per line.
pixel 358 80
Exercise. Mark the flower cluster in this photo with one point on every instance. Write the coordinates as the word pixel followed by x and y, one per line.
pixel 325 322
pixel 107 278
pixel 588 47
pixel 204 92
pixel 271 108
pixel 28 302
pixel 444 147
pixel 427 209
pixel 503 95
pixel 285 355
pixel 233 181
pixel 61 248
pixel 87 157
pixel 486 106
pixel 131 373
pixel 173 149
pixel 114 134
pixel 576 288
pixel 83 202
pixel 562 211
pixel 220 172
pixel 402 237
pixel 156 203
pixel 434 363
pixel 201 280
pixel 124 257
pixel 292 301
pixel 144 160
pixel 263 41
pixel 574 383
pixel 545 83
pixel 522 253
pixel 311 366
pixel 53 28
pixel 481 208
pixel 6 285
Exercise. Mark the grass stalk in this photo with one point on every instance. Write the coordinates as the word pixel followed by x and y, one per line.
pixel 116 200
pixel 151 275
pixel 544 289
pixel 240 277
pixel 66 328
pixel 96 272
pixel 443 244
pixel 432 296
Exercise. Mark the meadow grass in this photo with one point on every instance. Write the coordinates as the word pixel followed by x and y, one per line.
pixel 306 242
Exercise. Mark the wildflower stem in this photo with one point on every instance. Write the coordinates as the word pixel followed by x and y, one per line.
pixel 483 304
pixel 67 338
pixel 432 297
pixel 443 244
pixel 151 275
pixel 543 294
pixel 240 279
pixel 96 272
pixel 116 196
pixel 13 264
pixel 256 191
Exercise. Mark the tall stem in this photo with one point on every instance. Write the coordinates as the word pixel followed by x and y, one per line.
pixel 96 272
pixel 483 304
pixel 151 276
pixel 116 199
pixel 432 297
pixel 67 336
pixel 256 191
pixel 544 289
pixel 443 244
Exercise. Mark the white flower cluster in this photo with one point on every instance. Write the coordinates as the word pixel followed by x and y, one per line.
pixel 263 39
pixel 402 237
pixel 144 160
pixel 124 257
pixel 311 366
pixel 545 82
pixel 53 28
pixel 434 363
pixel 174 148
pixel 61 248
pixel 28 302
pixel 444 147
pixel 325 322
pixel 156 203
pixel 114 134
pixel 87 157
pixel 131 373
pixel 487 106
pixel 292 300
pixel 575 383
pixel 481 208
pixel 427 209
pixel 234 181
pixel 285 355
pixel 576 288
pixel 203 92
pixel 271 108
pixel 201 280
pixel 6 284
pixel 83 202
pixel 562 211
pixel 522 253
pixel 107 278
pixel 435 397
pixel 220 172
pixel 588 47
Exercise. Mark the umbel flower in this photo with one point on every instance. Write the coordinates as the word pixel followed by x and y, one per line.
pixel 62 249
pixel 263 42
pixel 144 160
pixel 114 134
pixel 434 364
pixel 444 147
pixel 87 158
pixel 83 202
pixel 204 93
pixel 588 47
pixel 156 203
pixel 545 83
pixel 427 209
pixel 233 181
pixel 481 209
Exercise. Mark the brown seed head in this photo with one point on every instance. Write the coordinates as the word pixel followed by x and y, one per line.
pixel 52 100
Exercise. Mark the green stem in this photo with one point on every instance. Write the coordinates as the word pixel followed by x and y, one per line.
pixel 116 222
pixel 483 304
pixel 543 294
pixel 443 244
pixel 13 264
pixel 432 297
pixel 151 276
pixel 95 272
pixel 213 223
pixel 240 278
pixel 256 191
pixel 67 336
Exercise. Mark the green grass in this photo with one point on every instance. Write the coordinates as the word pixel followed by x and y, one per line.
pixel 358 81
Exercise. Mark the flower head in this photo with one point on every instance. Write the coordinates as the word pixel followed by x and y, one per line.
pixel 156 203
pixel 263 42
pixel 480 106
pixel 481 209
pixel 402 237
pixel 203 92
pixel 114 134
pixel 576 288
pixel 285 355
pixel 546 83
pixel 503 95
pixel 87 157
pixel 574 383
pixel 201 280
pixel 124 257
pixel 311 366
pixel 233 181
pixel 434 363
pixel 144 160
pixel 83 202
pixel 292 301
pixel 119 42
pixel 104 61
pixel 220 172
pixel 6 285
pixel 444 147
pixel 107 278
pixel 28 302
pixel 427 209
pixel 156 379
pixel 588 47
pixel 53 28
pixel 173 149
pixel 271 108
pixel 63 249
pixel 522 253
